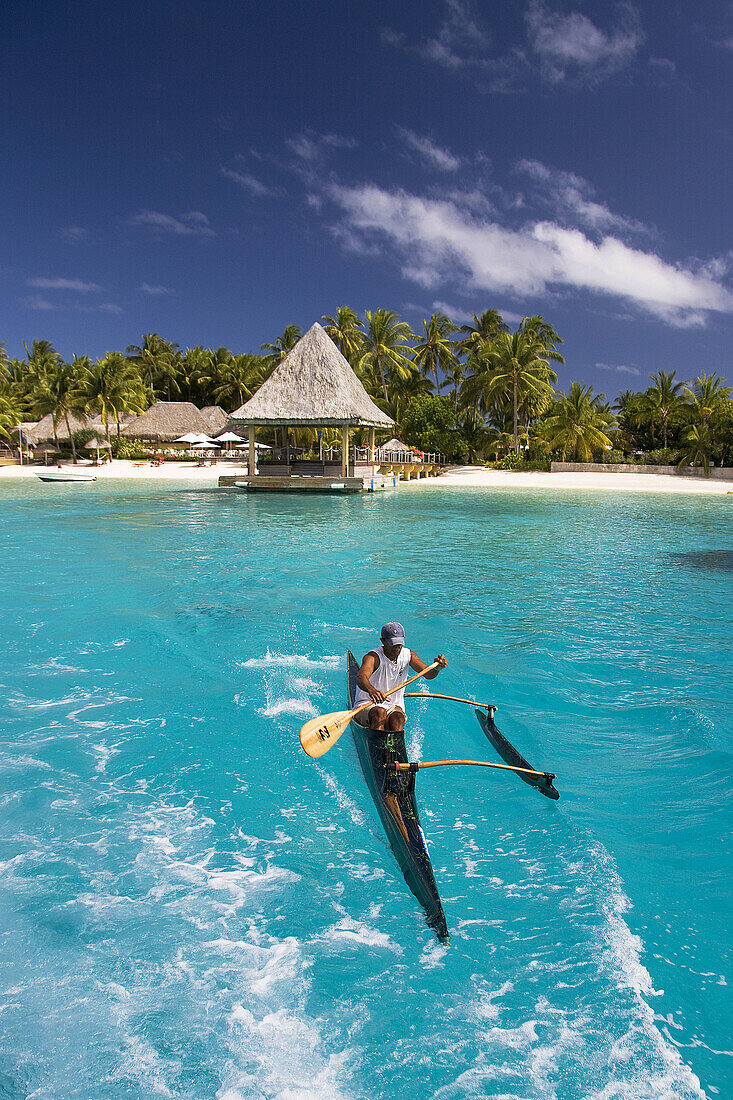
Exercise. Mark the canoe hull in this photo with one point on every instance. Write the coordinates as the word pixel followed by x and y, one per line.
pixel 394 798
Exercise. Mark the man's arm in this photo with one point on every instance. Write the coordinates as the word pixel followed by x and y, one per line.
pixel 418 665
pixel 369 665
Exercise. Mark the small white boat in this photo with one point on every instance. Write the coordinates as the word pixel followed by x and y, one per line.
pixel 66 475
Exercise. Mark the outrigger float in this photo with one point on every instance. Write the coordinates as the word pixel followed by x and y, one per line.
pixel 390 777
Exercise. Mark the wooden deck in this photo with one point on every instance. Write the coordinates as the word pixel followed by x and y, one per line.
pixel 319 477
pixel 269 483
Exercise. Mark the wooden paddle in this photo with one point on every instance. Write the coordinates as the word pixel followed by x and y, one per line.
pixel 319 734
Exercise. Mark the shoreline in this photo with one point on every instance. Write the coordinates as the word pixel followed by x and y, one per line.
pixel 478 477
pixel 461 477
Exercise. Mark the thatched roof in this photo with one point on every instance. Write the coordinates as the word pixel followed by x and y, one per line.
pixel 393 446
pixel 43 431
pixel 216 418
pixel 313 385
pixel 97 421
pixel 165 421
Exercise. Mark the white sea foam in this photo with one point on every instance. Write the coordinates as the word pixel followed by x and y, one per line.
pixel 344 800
pixel 285 1051
pixel 303 707
pixel 348 932
pixel 294 660
pixel 104 754
pixel 433 956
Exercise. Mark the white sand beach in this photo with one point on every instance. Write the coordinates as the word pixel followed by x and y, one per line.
pixel 480 477
pixel 455 477
pixel 126 469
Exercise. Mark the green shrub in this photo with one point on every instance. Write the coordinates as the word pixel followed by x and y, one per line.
pixel 129 448
pixel 525 462
pixel 661 457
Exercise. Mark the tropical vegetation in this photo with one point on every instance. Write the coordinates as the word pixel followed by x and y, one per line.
pixel 478 391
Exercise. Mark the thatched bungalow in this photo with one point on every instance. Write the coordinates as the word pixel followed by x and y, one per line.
pixel 216 418
pixel 166 421
pixel 313 386
pixel 44 432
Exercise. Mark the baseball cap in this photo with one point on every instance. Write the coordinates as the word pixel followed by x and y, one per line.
pixel 393 634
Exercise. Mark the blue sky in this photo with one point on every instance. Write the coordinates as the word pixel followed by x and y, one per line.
pixel 215 171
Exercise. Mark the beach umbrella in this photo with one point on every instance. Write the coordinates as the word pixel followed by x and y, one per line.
pixel 189 438
pixel 229 437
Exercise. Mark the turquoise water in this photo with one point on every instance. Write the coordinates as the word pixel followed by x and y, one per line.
pixel 190 907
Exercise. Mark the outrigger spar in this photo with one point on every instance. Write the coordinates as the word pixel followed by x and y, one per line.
pixel 390 777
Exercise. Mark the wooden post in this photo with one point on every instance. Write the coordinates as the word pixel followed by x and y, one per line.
pixel 251 463
pixel 372 454
pixel 345 450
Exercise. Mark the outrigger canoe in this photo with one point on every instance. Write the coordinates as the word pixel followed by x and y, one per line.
pixel 394 797
pixel 393 792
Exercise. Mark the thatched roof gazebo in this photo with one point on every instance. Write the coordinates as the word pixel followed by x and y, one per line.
pixel 313 386
pixel 393 446
pixel 166 421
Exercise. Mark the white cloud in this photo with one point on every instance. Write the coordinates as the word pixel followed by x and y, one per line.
pixel 440 242
pixel 568 45
pixel 74 233
pixel 110 307
pixel 193 224
pixel 569 196
pixel 63 284
pixel 572 44
pixel 465 317
pixel 35 301
pixel 248 182
pixel 461 40
pixel 621 369
pixel 155 290
pixel 312 148
pixel 429 151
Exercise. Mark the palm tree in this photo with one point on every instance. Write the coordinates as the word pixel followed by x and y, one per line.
pixel 697 448
pixel 665 397
pixel 706 394
pixel 576 422
pixel 283 344
pixel 386 353
pixel 346 331
pixel 61 395
pixel 401 391
pixel 194 366
pixel 436 350
pixel 10 397
pixel 515 365
pixel 239 379
pixel 483 330
pixel 158 359
pixel 112 385
pixel 545 336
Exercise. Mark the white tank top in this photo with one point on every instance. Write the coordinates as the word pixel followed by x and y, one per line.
pixel 387 676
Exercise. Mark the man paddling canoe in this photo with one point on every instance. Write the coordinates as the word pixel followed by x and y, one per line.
pixel 381 670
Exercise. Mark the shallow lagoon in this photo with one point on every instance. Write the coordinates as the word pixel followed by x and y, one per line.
pixel 189 907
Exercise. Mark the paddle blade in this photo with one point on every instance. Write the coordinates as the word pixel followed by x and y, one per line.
pixel 319 734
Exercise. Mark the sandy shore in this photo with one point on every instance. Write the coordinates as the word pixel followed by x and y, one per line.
pixel 458 477
pixel 476 477
pixel 122 468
